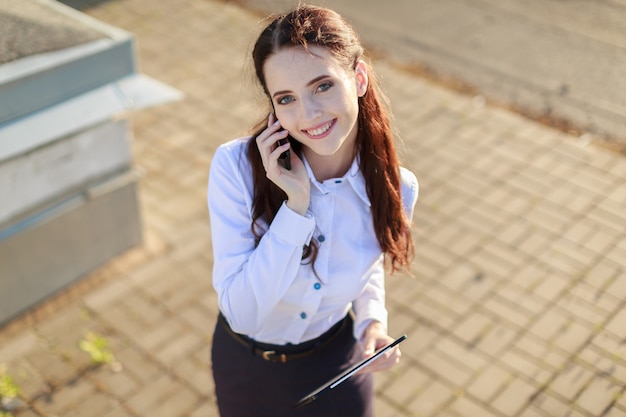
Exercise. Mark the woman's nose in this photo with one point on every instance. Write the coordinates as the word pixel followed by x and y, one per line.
pixel 310 109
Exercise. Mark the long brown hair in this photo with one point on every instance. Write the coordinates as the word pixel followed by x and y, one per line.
pixel 379 163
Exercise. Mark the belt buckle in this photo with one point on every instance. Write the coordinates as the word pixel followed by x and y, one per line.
pixel 267 355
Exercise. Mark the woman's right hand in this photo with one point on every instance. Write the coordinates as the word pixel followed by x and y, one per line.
pixel 295 182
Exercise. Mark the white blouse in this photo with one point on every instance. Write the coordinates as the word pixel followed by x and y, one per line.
pixel 268 292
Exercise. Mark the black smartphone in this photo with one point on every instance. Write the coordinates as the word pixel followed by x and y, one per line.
pixel 285 158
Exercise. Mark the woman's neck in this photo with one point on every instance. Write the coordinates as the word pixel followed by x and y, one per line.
pixel 325 167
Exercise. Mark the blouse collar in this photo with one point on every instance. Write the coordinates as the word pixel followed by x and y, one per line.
pixel 354 176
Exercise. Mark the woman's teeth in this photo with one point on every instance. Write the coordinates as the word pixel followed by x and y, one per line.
pixel 320 130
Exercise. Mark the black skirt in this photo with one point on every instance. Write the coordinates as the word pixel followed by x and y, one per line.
pixel 247 385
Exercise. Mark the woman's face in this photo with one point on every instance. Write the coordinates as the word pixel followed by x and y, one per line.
pixel 316 100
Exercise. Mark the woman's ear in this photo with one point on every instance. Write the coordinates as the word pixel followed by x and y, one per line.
pixel 362 81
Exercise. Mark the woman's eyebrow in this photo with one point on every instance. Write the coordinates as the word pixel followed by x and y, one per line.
pixel 310 83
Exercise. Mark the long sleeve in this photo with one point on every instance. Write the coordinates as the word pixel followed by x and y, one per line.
pixel 250 281
pixel 370 305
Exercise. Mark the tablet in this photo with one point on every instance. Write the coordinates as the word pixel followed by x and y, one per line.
pixel 347 373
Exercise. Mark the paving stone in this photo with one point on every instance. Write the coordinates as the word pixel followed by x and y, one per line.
pixel 53 369
pixel 160 335
pixel 119 383
pixel 499 338
pixel 542 352
pixel 466 407
pixel 598 395
pixel 549 324
pixel 620 406
pixel 31 382
pixel 447 368
pixel 26 413
pixel 617 286
pixel 615 411
pixel 196 373
pixel 601 299
pixel 98 404
pixel 474 327
pixel 180 404
pixel 552 286
pixel 455 302
pixel 119 412
pixel 573 337
pixel 530 412
pixel 549 405
pixel 584 312
pixel 155 394
pixel 491 380
pixel 70 396
pixel 514 398
pixel 145 309
pixel 616 325
pixel 210 410
pixel 100 299
pixel 507 311
pixel 429 400
pixel 520 363
pixel 123 320
pixel 406 386
pixel 139 364
pixel 420 339
pixel 179 347
pixel 18 346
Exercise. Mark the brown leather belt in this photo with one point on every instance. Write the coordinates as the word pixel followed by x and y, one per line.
pixel 273 355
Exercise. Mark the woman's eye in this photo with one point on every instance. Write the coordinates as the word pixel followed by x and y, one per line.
pixel 285 100
pixel 324 86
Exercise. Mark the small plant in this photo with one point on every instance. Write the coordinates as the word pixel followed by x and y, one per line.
pixel 9 392
pixel 97 347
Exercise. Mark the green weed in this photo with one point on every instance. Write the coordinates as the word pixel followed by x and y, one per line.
pixel 97 347
pixel 9 391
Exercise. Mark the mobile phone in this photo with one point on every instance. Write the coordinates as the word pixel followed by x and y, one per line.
pixel 285 158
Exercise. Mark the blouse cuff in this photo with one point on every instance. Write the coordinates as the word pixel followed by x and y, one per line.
pixel 293 228
pixel 375 314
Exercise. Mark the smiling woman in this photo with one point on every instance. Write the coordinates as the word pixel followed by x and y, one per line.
pixel 316 98
pixel 301 253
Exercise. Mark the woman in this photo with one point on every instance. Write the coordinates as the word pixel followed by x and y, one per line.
pixel 303 229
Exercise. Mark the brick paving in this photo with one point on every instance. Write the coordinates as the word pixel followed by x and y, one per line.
pixel 516 307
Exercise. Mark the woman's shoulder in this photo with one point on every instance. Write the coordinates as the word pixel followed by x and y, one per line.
pixel 230 159
pixel 233 146
pixel 410 188
pixel 408 179
pixel 232 151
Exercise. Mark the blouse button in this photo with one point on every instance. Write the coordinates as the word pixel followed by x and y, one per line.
pixel 321 238
pixel 317 286
pixel 303 315
pixel 337 181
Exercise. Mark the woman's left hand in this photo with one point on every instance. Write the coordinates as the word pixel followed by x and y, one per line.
pixel 374 338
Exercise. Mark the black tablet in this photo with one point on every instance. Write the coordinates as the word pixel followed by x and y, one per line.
pixel 347 373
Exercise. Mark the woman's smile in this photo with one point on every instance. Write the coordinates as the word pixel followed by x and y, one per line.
pixel 320 131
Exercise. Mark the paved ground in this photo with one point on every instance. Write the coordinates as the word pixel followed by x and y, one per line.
pixel 516 308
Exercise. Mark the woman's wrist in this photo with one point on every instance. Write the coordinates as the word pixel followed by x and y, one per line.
pixel 299 206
